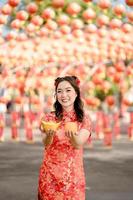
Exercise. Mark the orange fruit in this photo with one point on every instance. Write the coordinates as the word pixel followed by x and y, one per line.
pixel 71 126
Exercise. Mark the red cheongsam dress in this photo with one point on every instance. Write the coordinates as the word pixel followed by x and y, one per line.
pixel 61 174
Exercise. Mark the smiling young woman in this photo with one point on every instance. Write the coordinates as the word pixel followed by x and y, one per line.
pixel 63 158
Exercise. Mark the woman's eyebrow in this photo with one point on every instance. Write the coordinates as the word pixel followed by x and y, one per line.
pixel 64 88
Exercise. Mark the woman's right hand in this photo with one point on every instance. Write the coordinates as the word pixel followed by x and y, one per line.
pixel 49 133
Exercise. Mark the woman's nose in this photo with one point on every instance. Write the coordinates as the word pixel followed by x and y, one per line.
pixel 63 94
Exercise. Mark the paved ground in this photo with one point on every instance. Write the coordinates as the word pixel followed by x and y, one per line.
pixel 109 172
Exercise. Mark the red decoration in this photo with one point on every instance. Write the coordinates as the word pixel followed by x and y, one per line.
pixel 58 3
pixel 73 8
pixel 6 9
pixel 129 2
pixel 110 100
pixel 14 3
pixel 32 8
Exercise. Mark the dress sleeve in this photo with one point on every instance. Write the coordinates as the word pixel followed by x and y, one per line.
pixel 87 124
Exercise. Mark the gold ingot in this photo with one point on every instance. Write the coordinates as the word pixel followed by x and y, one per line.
pixel 49 125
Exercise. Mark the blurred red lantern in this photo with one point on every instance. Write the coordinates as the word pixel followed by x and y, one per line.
pixel 3 19
pixel 51 24
pixel 110 100
pixel 32 8
pixel 91 28
pixel 130 16
pixel 87 0
pixel 18 100
pixel 97 80
pixel 77 24
pixel 127 28
pixel 111 71
pixel 30 28
pixel 21 37
pixel 115 23
pixel 37 20
pixel 102 20
pixel 89 14
pixel 117 78
pixel 126 102
pixel 65 29
pixel 6 9
pixel 43 32
pixel 13 3
pixel 16 24
pixel 73 8
pixel 22 15
pixel 119 9
pixel 129 2
pixel 106 86
pixel 3 100
pixel 104 4
pixel 11 35
pixel 102 32
pixel 48 13
pixel 120 67
pixel 58 3
pixel 77 33
pixel 57 34
pixel 63 19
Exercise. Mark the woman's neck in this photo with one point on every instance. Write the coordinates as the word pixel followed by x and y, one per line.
pixel 68 109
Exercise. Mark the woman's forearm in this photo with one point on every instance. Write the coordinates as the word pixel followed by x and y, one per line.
pixel 76 142
pixel 79 140
pixel 47 140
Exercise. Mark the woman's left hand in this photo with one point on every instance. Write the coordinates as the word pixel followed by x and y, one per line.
pixel 70 134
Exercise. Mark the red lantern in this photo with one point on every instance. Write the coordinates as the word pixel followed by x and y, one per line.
pixel 37 20
pixel 127 28
pixel 102 20
pixel 110 100
pixel 119 9
pixel 32 8
pixel 11 35
pixel 13 3
pixel 30 28
pixel 130 16
pixel 104 4
pixel 89 14
pixel 65 29
pixel 21 37
pixel 73 8
pixel 58 3
pixel 6 9
pixel 77 24
pixel 115 23
pixel 43 32
pixel 51 24
pixel 16 24
pixel 129 2
pixel 22 15
pixel 87 1
pixel 48 13
pixel 3 19
pixel 63 19
pixel 91 28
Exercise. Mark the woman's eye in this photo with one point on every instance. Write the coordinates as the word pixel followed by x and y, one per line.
pixel 59 91
pixel 68 90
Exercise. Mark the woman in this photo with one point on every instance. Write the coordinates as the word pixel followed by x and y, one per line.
pixel 62 174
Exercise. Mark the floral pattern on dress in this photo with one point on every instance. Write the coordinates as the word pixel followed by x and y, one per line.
pixel 61 174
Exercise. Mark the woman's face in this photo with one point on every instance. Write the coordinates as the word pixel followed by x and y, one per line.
pixel 66 95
